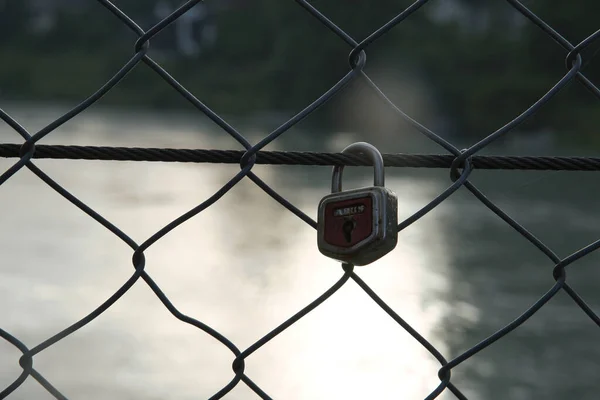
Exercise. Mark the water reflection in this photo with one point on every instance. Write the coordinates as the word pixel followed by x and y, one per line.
pixel 246 264
pixel 243 266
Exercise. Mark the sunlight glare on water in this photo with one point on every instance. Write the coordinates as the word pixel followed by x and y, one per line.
pixel 243 266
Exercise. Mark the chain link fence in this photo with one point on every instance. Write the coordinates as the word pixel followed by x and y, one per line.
pixel 460 163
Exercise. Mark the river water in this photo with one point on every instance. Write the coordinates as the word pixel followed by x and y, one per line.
pixel 246 264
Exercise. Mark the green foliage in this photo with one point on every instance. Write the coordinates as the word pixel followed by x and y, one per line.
pixel 272 55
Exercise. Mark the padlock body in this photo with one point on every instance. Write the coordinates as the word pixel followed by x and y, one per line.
pixel 371 212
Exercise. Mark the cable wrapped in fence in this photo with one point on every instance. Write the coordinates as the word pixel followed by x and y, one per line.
pixel 61 152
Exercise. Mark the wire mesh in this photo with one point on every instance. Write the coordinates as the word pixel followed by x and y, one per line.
pixel 461 163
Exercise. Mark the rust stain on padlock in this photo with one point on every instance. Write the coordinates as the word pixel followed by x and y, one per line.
pixel 358 211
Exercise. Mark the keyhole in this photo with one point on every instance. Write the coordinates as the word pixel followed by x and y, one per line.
pixel 348 227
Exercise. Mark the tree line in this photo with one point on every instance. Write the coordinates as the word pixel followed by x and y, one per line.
pixel 473 65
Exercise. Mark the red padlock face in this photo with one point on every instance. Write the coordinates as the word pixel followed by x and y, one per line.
pixel 348 222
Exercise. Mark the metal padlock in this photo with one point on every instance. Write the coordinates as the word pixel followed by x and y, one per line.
pixel 358 226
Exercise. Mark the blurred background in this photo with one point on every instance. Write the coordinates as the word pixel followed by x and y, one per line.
pixel 463 68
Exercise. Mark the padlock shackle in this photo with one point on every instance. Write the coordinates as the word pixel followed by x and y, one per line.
pixel 360 149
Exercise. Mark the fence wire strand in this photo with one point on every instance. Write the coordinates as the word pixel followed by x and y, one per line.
pixel 460 164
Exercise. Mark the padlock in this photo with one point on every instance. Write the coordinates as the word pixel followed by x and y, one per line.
pixel 358 226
